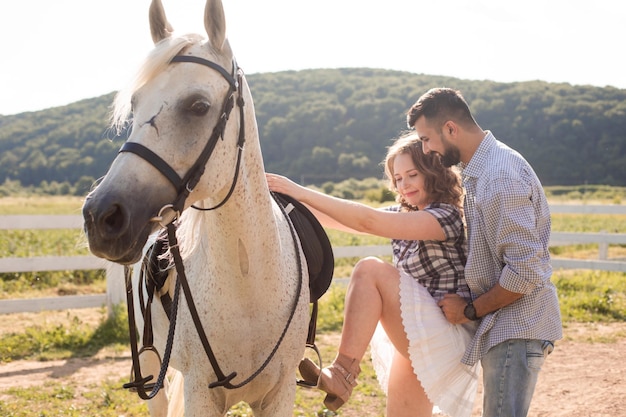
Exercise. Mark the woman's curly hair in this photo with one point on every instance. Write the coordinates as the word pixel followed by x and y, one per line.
pixel 441 183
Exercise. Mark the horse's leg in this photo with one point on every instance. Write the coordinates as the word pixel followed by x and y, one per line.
pixel 175 395
pixel 280 401
pixel 200 401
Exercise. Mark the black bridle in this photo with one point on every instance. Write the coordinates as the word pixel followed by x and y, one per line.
pixel 167 217
pixel 184 186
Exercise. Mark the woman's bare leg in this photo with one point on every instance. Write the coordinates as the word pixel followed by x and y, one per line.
pixel 405 395
pixel 373 295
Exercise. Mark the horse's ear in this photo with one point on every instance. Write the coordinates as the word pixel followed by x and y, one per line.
pixel 160 28
pixel 215 23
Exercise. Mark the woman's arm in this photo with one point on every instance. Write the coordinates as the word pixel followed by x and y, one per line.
pixel 327 221
pixel 418 225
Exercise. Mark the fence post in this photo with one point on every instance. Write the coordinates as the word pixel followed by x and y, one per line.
pixel 603 249
pixel 116 287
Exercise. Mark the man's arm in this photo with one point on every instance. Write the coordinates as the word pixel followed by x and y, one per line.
pixel 453 305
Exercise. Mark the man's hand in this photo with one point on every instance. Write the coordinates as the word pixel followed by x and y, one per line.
pixel 453 306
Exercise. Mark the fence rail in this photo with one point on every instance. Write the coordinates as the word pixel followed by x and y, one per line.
pixel 115 281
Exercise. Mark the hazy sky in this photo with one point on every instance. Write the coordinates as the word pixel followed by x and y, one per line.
pixel 61 51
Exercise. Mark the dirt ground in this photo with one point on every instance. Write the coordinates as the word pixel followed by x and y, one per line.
pixel 585 375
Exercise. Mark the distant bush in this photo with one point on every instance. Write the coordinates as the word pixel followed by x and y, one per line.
pixel 604 193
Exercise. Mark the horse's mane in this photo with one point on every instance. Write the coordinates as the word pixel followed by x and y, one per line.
pixel 154 63
pixel 190 233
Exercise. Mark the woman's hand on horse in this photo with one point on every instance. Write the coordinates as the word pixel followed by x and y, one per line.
pixel 283 185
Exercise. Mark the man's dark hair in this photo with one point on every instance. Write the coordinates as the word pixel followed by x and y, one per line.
pixel 438 105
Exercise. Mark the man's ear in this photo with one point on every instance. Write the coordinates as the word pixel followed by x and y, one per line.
pixel 450 126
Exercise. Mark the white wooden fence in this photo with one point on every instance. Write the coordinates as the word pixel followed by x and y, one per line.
pixel 115 281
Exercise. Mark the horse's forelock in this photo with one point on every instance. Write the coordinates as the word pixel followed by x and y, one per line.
pixel 154 64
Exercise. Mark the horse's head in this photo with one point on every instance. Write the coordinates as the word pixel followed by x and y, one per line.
pixel 181 149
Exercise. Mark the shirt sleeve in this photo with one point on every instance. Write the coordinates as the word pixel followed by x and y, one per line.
pixel 510 214
pixel 449 219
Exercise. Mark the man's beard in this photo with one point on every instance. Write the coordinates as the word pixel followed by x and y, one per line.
pixel 451 156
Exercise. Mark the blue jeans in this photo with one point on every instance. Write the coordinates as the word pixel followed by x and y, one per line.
pixel 510 372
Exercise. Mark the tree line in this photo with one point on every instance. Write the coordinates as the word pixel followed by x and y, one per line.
pixel 333 124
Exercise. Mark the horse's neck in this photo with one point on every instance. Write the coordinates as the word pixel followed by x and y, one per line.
pixel 248 215
pixel 243 234
pixel 242 225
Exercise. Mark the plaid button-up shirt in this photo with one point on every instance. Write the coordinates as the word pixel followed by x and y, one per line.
pixel 437 265
pixel 508 224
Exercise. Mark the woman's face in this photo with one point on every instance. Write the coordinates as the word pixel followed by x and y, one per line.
pixel 410 181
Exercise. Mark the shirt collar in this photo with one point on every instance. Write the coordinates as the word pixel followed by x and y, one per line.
pixel 475 167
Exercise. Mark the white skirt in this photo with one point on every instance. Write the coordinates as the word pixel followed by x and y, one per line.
pixel 435 347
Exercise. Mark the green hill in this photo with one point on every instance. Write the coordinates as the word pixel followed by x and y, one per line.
pixel 332 124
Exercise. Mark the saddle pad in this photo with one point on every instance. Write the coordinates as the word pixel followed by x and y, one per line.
pixel 315 244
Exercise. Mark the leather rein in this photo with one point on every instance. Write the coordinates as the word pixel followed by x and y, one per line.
pixel 167 217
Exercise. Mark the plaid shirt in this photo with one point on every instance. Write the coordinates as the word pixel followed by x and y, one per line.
pixel 508 229
pixel 437 265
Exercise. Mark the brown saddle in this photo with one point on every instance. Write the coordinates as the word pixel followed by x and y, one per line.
pixel 315 244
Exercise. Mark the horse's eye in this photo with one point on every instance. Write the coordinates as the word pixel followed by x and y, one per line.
pixel 200 107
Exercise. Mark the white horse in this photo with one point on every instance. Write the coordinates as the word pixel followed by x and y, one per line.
pixel 247 276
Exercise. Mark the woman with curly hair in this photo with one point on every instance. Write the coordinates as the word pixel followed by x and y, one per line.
pixel 416 352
